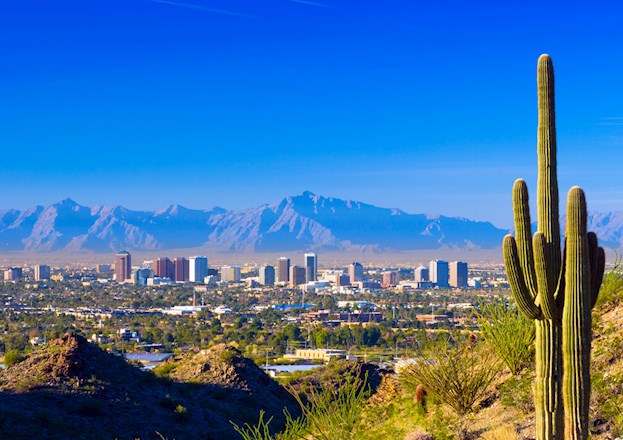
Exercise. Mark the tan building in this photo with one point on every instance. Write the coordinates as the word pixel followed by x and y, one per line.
pixel 298 276
pixel 123 266
pixel 457 274
pixel 283 270
pixel 391 278
pixel 325 354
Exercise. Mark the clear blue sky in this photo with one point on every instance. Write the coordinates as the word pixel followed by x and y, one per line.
pixel 425 106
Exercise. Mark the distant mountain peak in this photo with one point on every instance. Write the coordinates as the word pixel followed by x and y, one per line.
pixel 296 223
pixel 68 201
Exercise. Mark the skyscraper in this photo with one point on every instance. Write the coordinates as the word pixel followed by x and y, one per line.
pixel 391 278
pixel 267 275
pixel 298 276
pixel 164 268
pixel 283 270
pixel 181 269
pixel 42 272
pixel 123 266
pixel 230 274
pixel 355 272
pixel 458 274
pixel 439 272
pixel 197 269
pixel 421 274
pixel 311 266
pixel 141 275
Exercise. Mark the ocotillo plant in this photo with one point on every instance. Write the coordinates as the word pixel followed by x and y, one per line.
pixel 557 293
pixel 534 265
pixel 585 263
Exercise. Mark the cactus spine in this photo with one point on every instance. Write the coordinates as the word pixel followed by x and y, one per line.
pixel 585 263
pixel 557 293
pixel 534 265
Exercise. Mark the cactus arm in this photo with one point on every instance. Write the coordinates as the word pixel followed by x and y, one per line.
pixel 522 295
pixel 597 275
pixel 576 341
pixel 546 296
pixel 560 294
pixel 523 230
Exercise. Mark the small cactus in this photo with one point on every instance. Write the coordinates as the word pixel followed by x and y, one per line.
pixel 420 396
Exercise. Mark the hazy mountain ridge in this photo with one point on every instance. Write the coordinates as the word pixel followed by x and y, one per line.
pixel 303 222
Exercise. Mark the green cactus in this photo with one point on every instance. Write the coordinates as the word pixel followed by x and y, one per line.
pixel 585 263
pixel 534 265
pixel 557 293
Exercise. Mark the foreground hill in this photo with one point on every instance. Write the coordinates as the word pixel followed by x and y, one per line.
pixel 70 389
pixel 302 222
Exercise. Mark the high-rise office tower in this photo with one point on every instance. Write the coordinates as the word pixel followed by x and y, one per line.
pixel 458 274
pixel 141 275
pixel 164 268
pixel 298 276
pixel 13 273
pixel 103 268
pixel 123 266
pixel 267 275
pixel 438 272
pixel 197 269
pixel 421 274
pixel 311 266
pixel 42 272
pixel 230 274
pixel 391 278
pixel 181 269
pixel 283 270
pixel 355 272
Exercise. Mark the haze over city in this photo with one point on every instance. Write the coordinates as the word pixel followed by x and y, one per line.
pixel 424 107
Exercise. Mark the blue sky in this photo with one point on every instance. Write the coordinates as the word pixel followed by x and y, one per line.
pixel 429 107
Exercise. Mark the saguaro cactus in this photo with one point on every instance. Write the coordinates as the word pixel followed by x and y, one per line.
pixel 557 293
pixel 534 265
pixel 584 272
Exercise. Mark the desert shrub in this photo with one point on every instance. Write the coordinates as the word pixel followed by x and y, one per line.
pixel 181 413
pixel 261 430
pixel 457 373
pixel 607 395
pixel 517 392
pixel 612 286
pixel 164 369
pixel 13 357
pixel 508 333
pixel 227 356
pixel 329 413
pixel 333 413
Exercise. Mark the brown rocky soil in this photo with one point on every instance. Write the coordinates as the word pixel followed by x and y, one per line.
pixel 70 389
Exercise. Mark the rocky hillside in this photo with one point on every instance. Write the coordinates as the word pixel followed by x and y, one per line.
pixel 302 222
pixel 70 389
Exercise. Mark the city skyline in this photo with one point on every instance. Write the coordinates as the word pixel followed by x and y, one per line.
pixel 252 95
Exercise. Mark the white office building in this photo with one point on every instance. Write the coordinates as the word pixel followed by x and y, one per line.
pixel 197 269
pixel 438 272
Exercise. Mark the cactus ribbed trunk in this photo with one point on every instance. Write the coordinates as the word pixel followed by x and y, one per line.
pixel 576 343
pixel 547 389
pixel 547 183
pixel 556 292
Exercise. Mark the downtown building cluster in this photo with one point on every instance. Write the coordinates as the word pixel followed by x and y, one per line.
pixel 162 270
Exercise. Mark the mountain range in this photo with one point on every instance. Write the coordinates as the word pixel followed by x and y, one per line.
pixel 303 222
